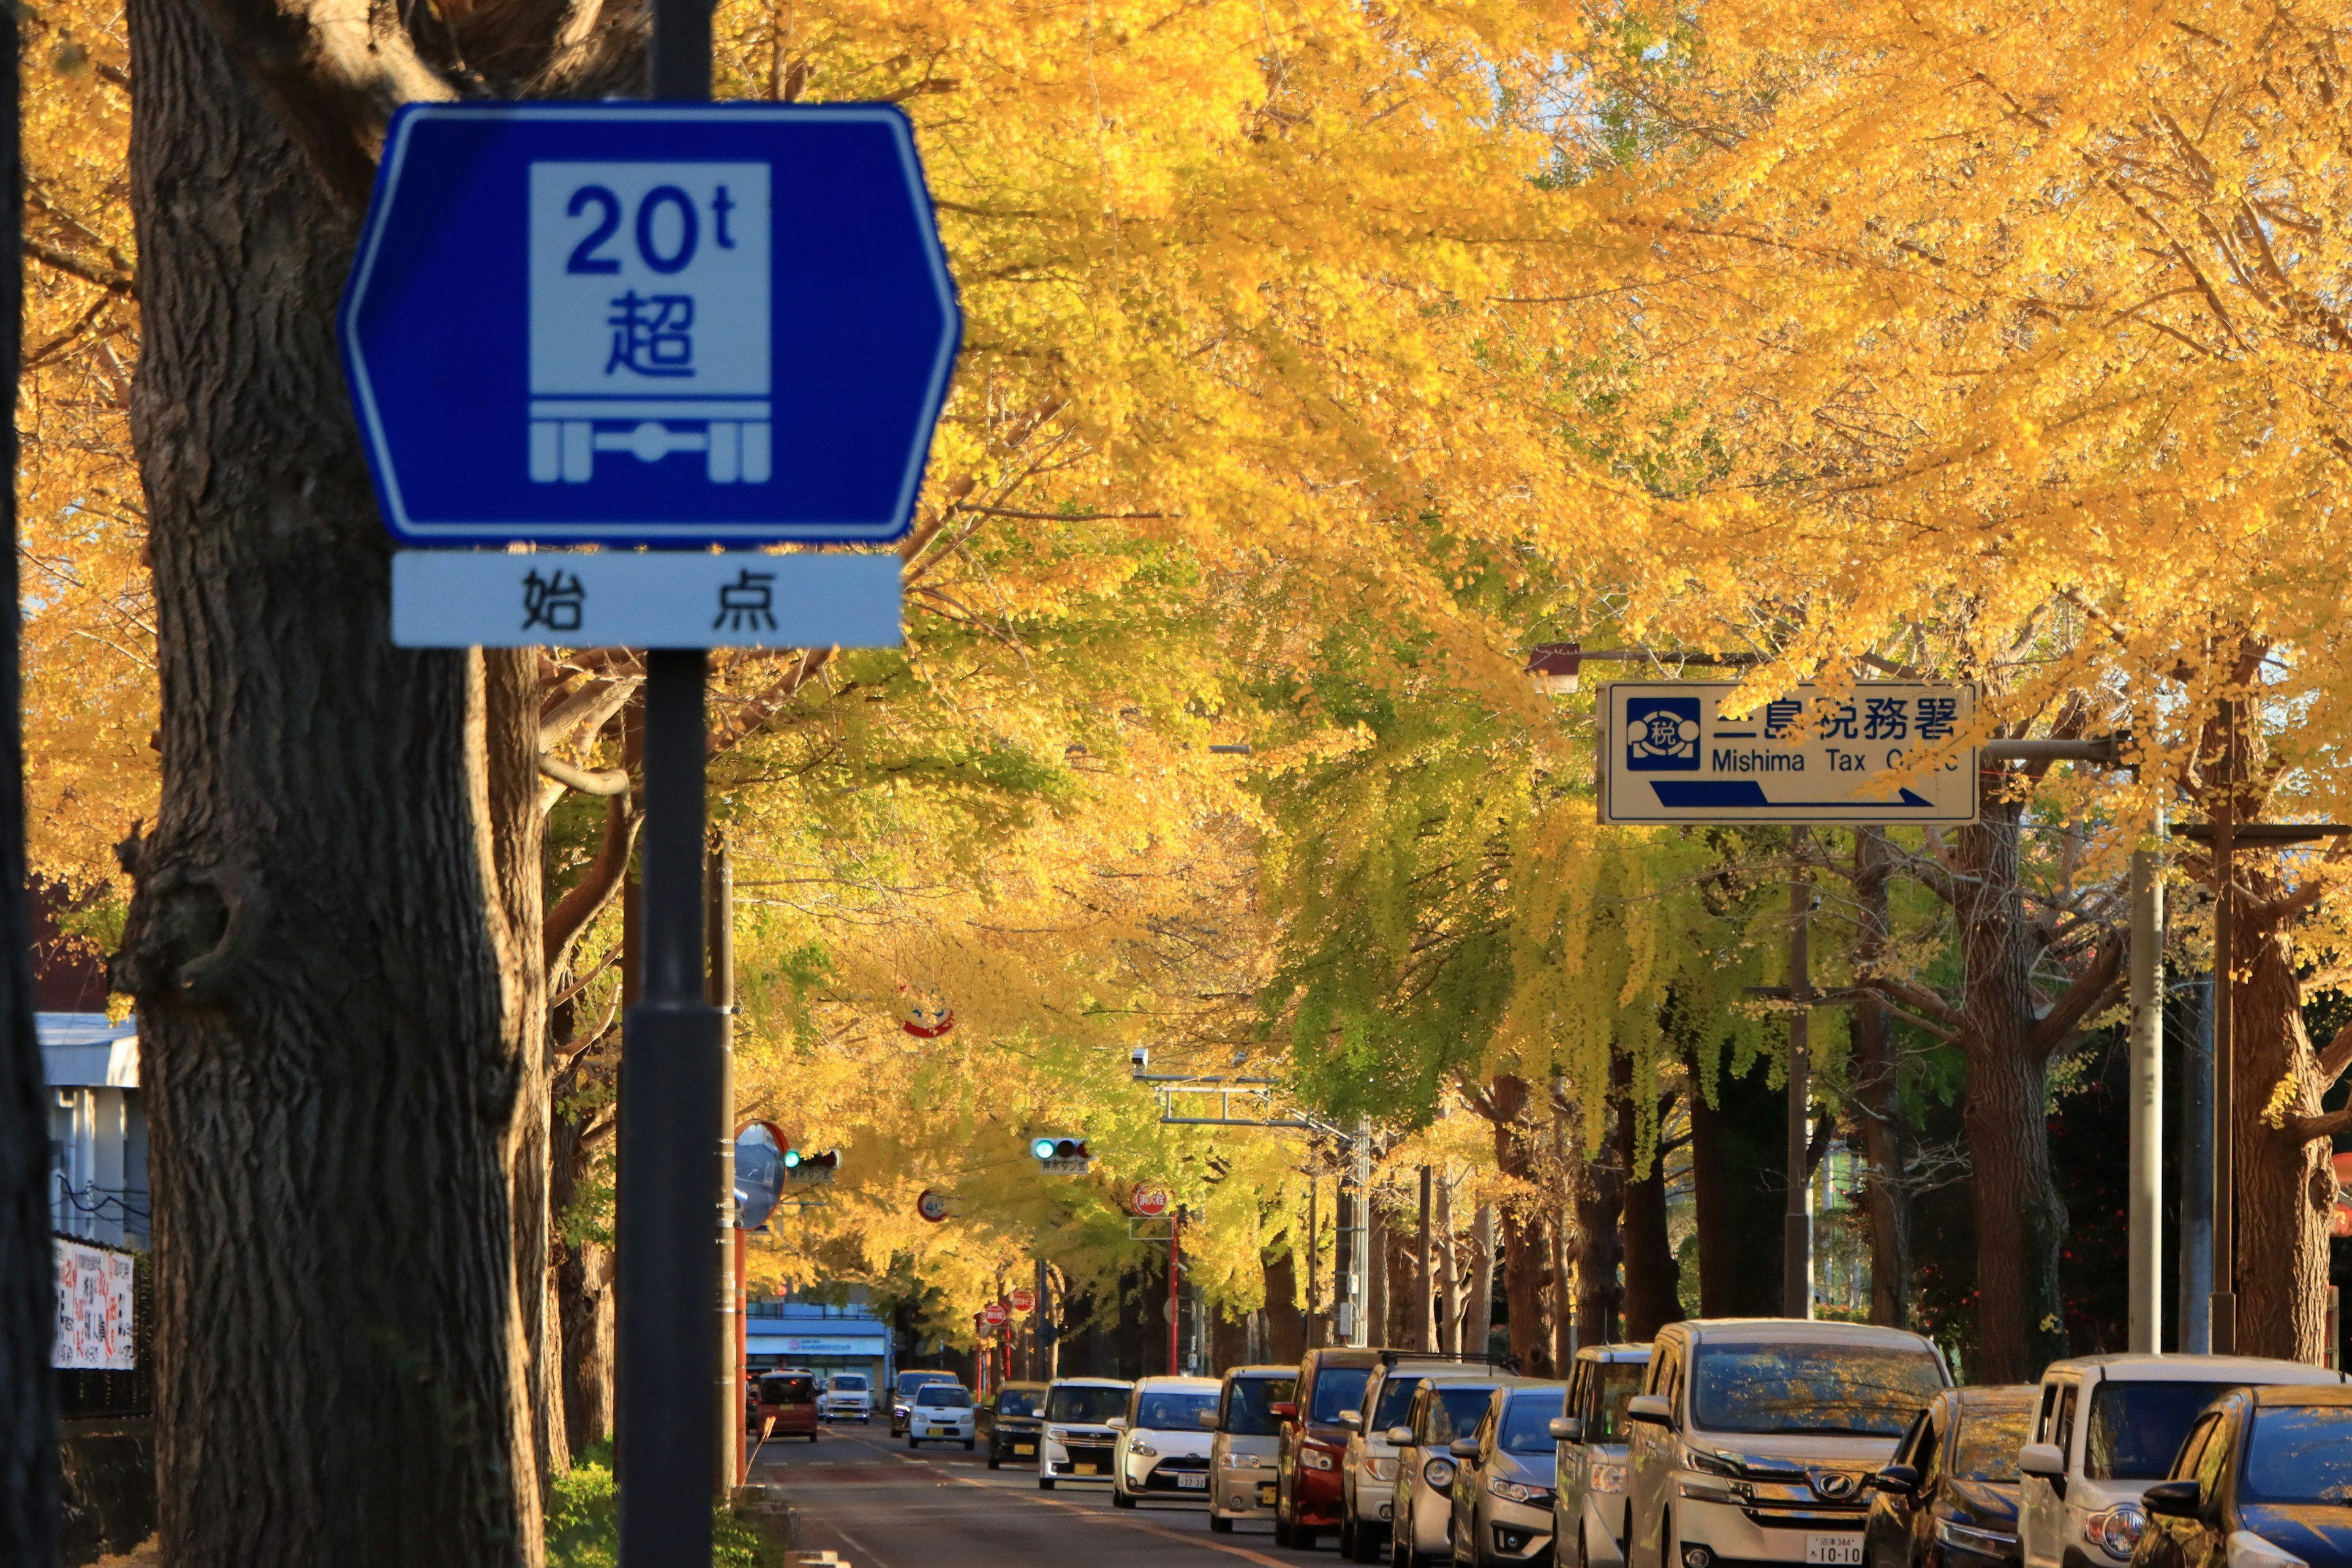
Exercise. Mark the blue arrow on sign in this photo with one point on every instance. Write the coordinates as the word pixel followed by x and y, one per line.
pixel 665 324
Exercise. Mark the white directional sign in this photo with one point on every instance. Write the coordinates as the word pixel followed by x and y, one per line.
pixel 1882 752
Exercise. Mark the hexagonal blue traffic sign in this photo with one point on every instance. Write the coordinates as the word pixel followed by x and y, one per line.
pixel 664 324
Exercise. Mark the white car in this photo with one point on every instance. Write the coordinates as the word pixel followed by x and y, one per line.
pixel 1588 1500
pixel 847 1396
pixel 941 1414
pixel 1754 1440
pixel 1163 1442
pixel 2105 1429
pixel 1079 1440
pixel 1245 1457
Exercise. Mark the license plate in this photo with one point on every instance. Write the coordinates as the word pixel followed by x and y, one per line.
pixel 1193 1483
pixel 1840 1550
pixel 1266 1494
pixel 1024 1448
pixel 1082 1469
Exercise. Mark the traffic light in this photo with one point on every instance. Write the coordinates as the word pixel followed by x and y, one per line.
pixel 1059 1148
pixel 811 1164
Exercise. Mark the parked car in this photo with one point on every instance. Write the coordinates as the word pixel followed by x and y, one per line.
pixel 2104 1429
pixel 1243 1454
pixel 1447 1406
pixel 1754 1438
pixel 1589 1485
pixel 1503 1477
pixel 846 1394
pixel 941 1414
pixel 1367 1466
pixel 902 1395
pixel 2265 1480
pixel 1306 1484
pixel 1012 1422
pixel 1163 1448
pixel 787 1405
pixel 1949 1497
pixel 1080 1441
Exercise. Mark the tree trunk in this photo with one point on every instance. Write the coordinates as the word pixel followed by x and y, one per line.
pixel 1878 1094
pixel 1527 1240
pixel 583 1301
pixel 1285 1338
pixel 1651 1299
pixel 1739 1146
pixel 2020 1221
pixel 2286 1192
pixel 29 1306
pixel 1478 1316
pixel 1448 1285
pixel 1376 1281
pixel 339 1032
pixel 1599 1206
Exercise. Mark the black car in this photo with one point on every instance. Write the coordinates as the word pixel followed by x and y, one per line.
pixel 1010 1421
pixel 2264 1481
pixel 1949 1499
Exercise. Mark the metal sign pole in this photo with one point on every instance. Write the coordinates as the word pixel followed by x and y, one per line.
pixel 2145 1246
pixel 1797 1227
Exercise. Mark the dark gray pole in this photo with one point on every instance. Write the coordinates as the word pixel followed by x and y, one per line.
pixel 2224 1328
pixel 679 61
pixel 2195 1021
pixel 720 989
pixel 1797 1227
pixel 673 1087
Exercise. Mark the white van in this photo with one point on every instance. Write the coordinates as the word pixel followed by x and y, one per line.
pixel 1589 1496
pixel 846 1394
pixel 1754 1440
pixel 2105 1429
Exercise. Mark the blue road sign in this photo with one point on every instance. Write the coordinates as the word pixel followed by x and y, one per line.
pixel 662 324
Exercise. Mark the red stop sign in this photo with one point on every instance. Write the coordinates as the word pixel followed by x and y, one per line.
pixel 1023 1298
pixel 994 1314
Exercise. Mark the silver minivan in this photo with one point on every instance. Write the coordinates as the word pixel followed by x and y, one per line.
pixel 1589 1499
pixel 1448 1405
pixel 1248 1443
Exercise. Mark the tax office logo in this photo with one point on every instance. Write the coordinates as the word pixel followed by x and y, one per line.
pixel 1662 734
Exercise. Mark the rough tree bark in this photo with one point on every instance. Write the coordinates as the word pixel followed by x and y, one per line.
pixel 1448 1284
pixel 1527 1220
pixel 29 1435
pixel 1651 1298
pixel 1479 1317
pixel 1738 1194
pixel 1879 1101
pixel 333 937
pixel 1599 1196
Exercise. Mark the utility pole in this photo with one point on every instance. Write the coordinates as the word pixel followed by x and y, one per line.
pixel 2144 1267
pixel 720 926
pixel 1359 1280
pixel 1423 1338
pixel 1175 1290
pixel 2196 1031
pixel 1313 1246
pixel 1796 1225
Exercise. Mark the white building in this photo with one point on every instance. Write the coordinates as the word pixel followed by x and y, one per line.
pixel 97 1128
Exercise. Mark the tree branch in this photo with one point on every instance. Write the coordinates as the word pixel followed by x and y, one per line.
pixel 2091 990
pixel 587 898
pixel 613 782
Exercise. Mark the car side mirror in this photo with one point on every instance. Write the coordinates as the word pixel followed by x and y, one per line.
pixel 1116 1423
pixel 1464 1448
pixel 1282 1410
pixel 1353 1420
pixel 1208 1420
pixel 2177 1499
pixel 1400 1436
pixel 1650 1408
pixel 2046 1460
pixel 1898 1480
pixel 1566 1428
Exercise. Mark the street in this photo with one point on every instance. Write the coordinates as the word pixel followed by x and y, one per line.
pixel 880 1507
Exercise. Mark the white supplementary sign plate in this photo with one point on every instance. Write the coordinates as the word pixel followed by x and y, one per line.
pixel 629 598
pixel 1838 1550
pixel 1884 753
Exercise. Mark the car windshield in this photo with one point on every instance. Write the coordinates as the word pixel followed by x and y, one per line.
pixel 1338 1388
pixel 1621 1381
pixel 910 1381
pixel 1527 1422
pixel 1250 1402
pixel 849 1383
pixel 1811 1386
pixel 2137 1427
pixel 1456 1409
pixel 1021 1401
pixel 1172 1412
pixel 1085 1405
pixel 2300 1455
pixel 1990 1436
pixel 947 1393
pixel 1396 1401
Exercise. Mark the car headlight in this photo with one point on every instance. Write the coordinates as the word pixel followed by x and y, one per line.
pixel 1990 1542
pixel 2118 1529
pixel 1057 1435
pixel 1608 1478
pixel 1143 1449
pixel 2248 1550
pixel 1439 1473
pixel 1382 1469
pixel 1512 1491
pixel 1242 1462
pixel 1314 1458
pixel 1708 1463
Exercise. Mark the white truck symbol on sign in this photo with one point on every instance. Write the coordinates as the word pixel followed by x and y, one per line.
pixel 650 317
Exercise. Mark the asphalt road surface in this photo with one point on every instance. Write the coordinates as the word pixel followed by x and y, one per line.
pixel 878 1506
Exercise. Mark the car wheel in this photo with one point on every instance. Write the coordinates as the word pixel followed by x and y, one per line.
pixel 993 1462
pixel 912 1444
pixel 1303 1538
pixel 1220 1524
pixel 1044 1483
pixel 968 1445
pixel 1583 1553
pixel 1281 1524
pixel 1120 1499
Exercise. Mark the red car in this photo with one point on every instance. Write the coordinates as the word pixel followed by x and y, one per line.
pixel 787 1407
pixel 1306 1476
